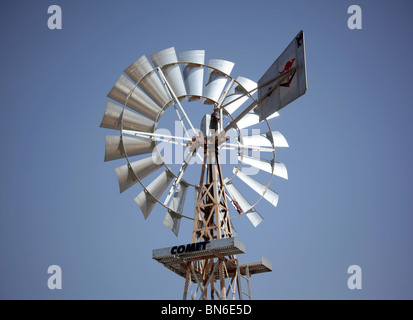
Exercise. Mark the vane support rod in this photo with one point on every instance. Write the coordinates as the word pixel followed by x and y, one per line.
pixel 178 179
pixel 255 103
pixel 176 99
pixel 151 134
pixel 232 146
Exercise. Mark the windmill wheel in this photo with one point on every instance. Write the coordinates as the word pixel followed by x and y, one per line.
pixel 156 100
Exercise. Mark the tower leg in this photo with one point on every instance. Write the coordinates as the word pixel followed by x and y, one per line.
pixel 187 279
pixel 249 282
pixel 239 285
pixel 221 279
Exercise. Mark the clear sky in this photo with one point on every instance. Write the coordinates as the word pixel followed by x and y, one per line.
pixel 348 200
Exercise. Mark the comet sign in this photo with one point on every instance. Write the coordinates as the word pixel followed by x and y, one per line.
pixel 290 79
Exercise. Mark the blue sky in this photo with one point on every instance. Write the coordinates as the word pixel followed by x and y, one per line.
pixel 349 196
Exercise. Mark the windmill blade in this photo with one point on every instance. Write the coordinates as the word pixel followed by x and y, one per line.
pixel 251 118
pixel 279 140
pixel 142 168
pixel 147 199
pixel 237 94
pixel 216 79
pixel 127 94
pixel 252 214
pixel 172 220
pixel 278 168
pixel 168 62
pixel 131 121
pixel 265 140
pixel 193 72
pixel 133 146
pixel 262 190
pixel 144 75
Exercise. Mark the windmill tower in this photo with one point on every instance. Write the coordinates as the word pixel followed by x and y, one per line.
pixel 209 263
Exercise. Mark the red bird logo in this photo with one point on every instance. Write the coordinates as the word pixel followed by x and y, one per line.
pixel 288 66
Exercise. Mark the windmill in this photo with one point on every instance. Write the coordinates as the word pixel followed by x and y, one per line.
pixel 229 106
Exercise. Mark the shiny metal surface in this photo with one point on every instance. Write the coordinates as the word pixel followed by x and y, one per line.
pixel 291 87
pixel 264 140
pixel 133 146
pixel 141 169
pixel 216 80
pixel 251 213
pixel 147 199
pixel 173 220
pixel 251 119
pixel 131 121
pixel 154 88
pixel 278 168
pixel 142 73
pixel 279 140
pixel 237 90
pixel 222 247
pixel 193 72
pixel 164 57
pixel 147 94
pixel 262 190
pixel 167 61
pixel 139 69
pixel 127 94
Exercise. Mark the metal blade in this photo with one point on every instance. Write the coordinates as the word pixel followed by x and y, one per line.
pixel 251 119
pixel 278 168
pixel 133 146
pixel 141 168
pixel 172 220
pixel 131 120
pixel 279 140
pixel 264 140
pixel 147 199
pixel 127 94
pixel 269 195
pixel 252 214
pixel 237 90
pixel 216 79
pixel 192 72
pixel 141 72
pixel 167 61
